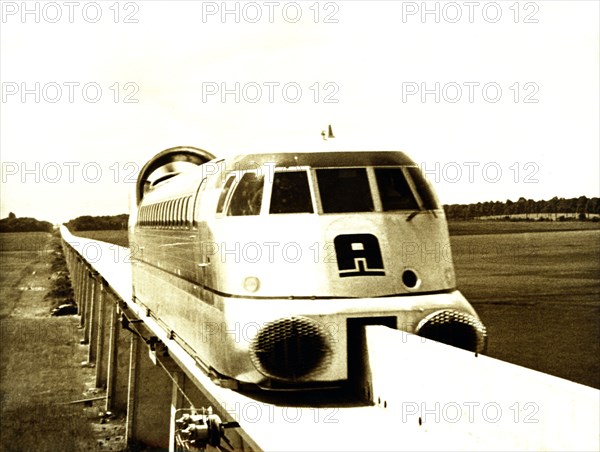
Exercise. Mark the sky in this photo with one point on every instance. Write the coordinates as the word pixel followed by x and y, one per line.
pixel 494 100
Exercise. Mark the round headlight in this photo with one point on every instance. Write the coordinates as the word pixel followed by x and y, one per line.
pixel 251 283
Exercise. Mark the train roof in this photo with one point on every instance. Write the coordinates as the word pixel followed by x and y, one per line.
pixel 186 182
pixel 322 159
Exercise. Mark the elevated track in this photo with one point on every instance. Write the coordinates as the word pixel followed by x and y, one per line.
pixel 413 394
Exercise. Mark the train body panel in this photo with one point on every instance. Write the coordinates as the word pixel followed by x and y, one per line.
pixel 305 245
pixel 263 265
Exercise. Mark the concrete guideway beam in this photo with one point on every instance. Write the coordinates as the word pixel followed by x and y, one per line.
pixel 117 376
pixel 476 402
pixel 149 399
pixel 105 308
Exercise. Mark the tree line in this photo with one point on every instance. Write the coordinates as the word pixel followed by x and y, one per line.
pixel 24 224
pixel 100 223
pixel 556 207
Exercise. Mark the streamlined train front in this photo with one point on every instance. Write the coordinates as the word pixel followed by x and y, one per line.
pixel 266 266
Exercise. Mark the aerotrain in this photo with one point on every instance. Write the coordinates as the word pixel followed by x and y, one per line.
pixel 265 266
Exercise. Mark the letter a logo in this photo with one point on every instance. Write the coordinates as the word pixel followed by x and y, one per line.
pixel 358 255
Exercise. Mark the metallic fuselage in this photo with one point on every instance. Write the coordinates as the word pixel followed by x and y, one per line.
pixel 222 282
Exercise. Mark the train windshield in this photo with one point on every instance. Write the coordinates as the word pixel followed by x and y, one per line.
pixel 344 190
pixel 247 197
pixel 428 197
pixel 291 193
pixel 341 190
pixel 394 190
pixel 224 192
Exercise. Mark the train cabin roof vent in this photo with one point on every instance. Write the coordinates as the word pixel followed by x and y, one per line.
pixel 167 164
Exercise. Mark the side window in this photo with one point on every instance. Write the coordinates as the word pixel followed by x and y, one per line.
pixel 291 193
pixel 425 192
pixel 180 212
pixel 394 190
pixel 224 193
pixel 344 190
pixel 186 212
pixel 247 197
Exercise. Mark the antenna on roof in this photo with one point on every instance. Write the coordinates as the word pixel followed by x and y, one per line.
pixel 328 135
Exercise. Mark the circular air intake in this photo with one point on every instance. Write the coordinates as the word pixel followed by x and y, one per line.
pixel 292 349
pixel 455 328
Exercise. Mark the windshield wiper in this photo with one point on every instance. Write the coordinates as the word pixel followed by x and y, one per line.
pixel 414 213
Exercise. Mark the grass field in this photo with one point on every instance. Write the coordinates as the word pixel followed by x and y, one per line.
pixel 19 254
pixel 536 286
pixel 532 268
pixel 511 227
pixel 538 293
pixel 39 354
pixel 40 357
pixel 116 237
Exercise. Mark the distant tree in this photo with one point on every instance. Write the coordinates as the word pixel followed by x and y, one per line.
pixel 565 206
pixel 552 206
pixel 580 207
pixel 498 208
pixel 24 224
pixel 521 205
pixel 100 223
pixel 11 216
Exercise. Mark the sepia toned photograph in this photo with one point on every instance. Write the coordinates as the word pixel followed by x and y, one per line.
pixel 299 226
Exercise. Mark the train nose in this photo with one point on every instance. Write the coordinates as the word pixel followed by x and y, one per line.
pixel 291 349
pixel 455 328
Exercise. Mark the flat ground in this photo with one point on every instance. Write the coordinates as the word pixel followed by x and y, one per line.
pixel 40 359
pixel 510 227
pixel 117 237
pixel 539 295
pixel 535 285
